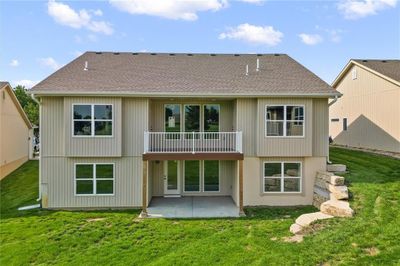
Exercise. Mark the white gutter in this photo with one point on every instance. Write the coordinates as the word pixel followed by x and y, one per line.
pixel 40 146
pixel 329 105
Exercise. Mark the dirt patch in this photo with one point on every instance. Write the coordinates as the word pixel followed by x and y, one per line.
pixel 372 251
pixel 293 239
pixel 94 220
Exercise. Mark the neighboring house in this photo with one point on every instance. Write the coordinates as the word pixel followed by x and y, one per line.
pixel 368 114
pixel 15 132
pixel 118 129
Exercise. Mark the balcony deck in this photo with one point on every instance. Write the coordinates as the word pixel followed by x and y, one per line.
pixel 193 145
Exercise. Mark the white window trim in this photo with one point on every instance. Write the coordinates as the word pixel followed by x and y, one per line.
pixel 184 177
pixel 94 179
pixel 285 120
pixel 92 121
pixel 219 178
pixel 282 178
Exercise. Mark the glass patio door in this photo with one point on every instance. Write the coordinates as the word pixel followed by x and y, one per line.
pixel 171 178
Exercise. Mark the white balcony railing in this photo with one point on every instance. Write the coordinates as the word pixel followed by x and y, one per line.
pixel 192 142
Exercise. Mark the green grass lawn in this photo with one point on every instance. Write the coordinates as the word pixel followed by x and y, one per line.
pixel 118 237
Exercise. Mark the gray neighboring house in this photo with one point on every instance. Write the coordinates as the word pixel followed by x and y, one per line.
pixel 119 130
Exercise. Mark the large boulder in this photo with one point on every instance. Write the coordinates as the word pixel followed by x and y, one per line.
pixel 295 228
pixel 331 178
pixel 336 168
pixel 338 208
pixel 338 192
pixel 308 218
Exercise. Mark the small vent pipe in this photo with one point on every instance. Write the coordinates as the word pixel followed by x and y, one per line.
pixel 86 66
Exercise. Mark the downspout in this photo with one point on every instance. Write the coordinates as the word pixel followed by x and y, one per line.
pixel 40 145
pixel 329 105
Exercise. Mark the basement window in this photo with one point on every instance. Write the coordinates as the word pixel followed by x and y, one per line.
pixel 94 179
pixel 91 120
pixel 282 177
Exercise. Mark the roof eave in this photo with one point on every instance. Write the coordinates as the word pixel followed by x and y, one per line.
pixel 42 93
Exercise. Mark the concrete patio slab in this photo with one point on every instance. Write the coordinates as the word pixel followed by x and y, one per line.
pixel 192 207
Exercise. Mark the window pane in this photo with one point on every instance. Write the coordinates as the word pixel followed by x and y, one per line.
pixel 274 113
pixel 272 184
pixel 82 112
pixel 211 118
pixel 82 128
pixel 192 118
pixel 172 118
pixel 294 113
pixel 291 185
pixel 272 169
pixel 104 187
pixel 172 182
pixel 84 171
pixel 211 175
pixel 103 128
pixel 104 171
pixel 274 128
pixel 103 112
pixel 292 169
pixel 294 128
pixel 84 187
pixel 192 175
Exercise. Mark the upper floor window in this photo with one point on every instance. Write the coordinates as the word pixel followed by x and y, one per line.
pixel 284 121
pixel 92 120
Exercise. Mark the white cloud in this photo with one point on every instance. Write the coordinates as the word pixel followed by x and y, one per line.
pixel 253 1
pixel 25 82
pixel 355 9
pixel 265 35
pixel 310 39
pixel 14 63
pixel 49 62
pixel 65 15
pixel 171 9
pixel 97 12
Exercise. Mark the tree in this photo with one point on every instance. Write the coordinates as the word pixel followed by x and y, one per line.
pixel 30 107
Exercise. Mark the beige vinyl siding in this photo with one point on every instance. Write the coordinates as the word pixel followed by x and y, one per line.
pixel 157 113
pixel 246 121
pixel 135 122
pixel 253 194
pixel 93 146
pixel 14 135
pixel 52 130
pixel 226 170
pixel 320 127
pixel 285 146
pixel 371 105
pixel 58 179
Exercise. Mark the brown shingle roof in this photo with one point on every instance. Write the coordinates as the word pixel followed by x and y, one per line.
pixel 189 74
pixel 389 68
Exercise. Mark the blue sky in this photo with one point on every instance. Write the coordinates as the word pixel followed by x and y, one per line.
pixel 38 37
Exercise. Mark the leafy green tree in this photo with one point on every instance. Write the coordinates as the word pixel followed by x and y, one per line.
pixel 30 107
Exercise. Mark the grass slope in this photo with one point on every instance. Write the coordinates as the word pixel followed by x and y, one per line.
pixel 119 238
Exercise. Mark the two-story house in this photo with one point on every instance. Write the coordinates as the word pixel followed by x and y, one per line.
pixel 121 129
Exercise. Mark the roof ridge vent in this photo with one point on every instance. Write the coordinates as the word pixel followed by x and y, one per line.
pixel 277 54
pixel 236 54
pixel 172 54
pixel 365 61
pixel 98 52
pixel 212 54
pixel 384 61
pixel 153 54
pixel 189 54
pixel 135 53
pixel 116 53
pixel 259 54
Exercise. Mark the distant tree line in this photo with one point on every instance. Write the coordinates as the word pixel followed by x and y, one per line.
pixel 30 107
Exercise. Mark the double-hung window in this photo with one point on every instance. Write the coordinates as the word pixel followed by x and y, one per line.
pixel 92 120
pixel 284 121
pixel 94 179
pixel 282 177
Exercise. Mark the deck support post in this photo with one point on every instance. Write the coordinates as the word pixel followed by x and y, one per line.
pixel 144 189
pixel 241 210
